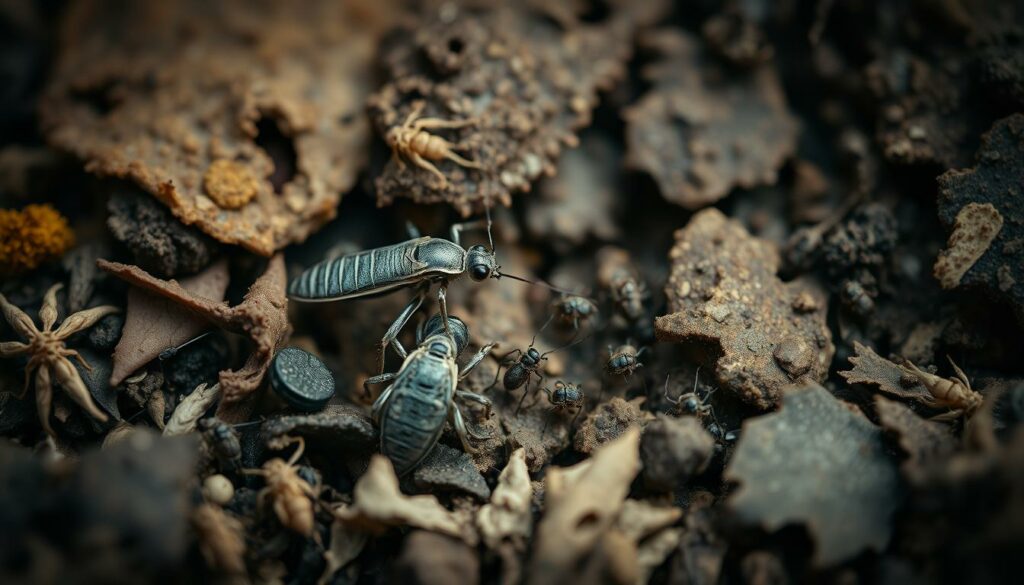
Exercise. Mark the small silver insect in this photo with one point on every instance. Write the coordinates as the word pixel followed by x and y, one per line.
pixel 420 261
pixel 412 410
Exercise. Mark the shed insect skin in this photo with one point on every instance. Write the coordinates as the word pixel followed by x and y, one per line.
pixel 954 393
pixel 411 140
pixel 292 497
pixel 411 412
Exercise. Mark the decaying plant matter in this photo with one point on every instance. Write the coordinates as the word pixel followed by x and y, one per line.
pixel 49 354
pixel 262 316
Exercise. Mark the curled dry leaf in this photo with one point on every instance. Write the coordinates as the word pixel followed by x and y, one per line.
pixel 153 324
pixel 346 544
pixel 725 297
pixel 703 130
pixel 819 464
pixel 378 504
pixel 506 523
pixel 262 317
pixel 191 409
pixel 649 528
pixel 507 519
pixel 580 504
pixel 278 89
pixel 871 368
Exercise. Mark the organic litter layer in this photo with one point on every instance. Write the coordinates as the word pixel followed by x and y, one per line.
pixel 724 295
pixel 819 464
pixel 526 78
pixel 267 98
pixel 704 130
pixel 993 187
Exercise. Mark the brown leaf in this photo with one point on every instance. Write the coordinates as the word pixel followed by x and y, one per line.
pixel 153 323
pixel 580 504
pixel 262 317
pixel 871 368
pixel 378 504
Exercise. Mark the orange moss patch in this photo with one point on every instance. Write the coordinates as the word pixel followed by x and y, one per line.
pixel 230 184
pixel 31 236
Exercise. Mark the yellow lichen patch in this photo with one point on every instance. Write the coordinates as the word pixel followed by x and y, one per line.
pixel 977 225
pixel 230 184
pixel 31 236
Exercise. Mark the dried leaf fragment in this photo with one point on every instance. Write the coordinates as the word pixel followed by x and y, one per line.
pixel 871 368
pixel 703 130
pixel 580 504
pixel 819 464
pixel 262 316
pixel 153 323
pixel 507 519
pixel 378 504
pixel 976 226
pixel 346 544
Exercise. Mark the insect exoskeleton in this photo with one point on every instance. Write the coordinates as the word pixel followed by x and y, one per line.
pixel 412 410
pixel 291 496
pixel 411 141
pixel 618 276
pixel 954 393
pixel 223 442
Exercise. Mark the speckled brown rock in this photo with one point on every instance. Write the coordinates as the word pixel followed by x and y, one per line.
pixel 984 206
pixel 724 294
pixel 703 130
pixel 157 92
pixel 528 78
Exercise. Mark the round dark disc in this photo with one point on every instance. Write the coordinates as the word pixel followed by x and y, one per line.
pixel 301 379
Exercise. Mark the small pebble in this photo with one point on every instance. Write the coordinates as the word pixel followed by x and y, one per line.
pixel 218 489
pixel 301 380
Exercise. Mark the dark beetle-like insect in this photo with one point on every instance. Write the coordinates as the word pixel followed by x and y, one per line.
pixel 412 410
pixel 691 403
pixel 420 261
pixel 617 275
pixel 574 309
pixel 565 396
pixel 223 441
pixel 623 360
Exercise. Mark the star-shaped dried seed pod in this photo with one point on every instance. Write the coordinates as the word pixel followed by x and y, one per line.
pixel 49 355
